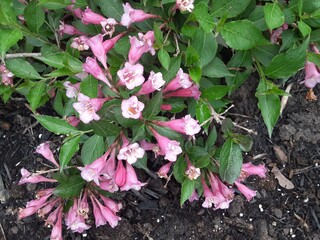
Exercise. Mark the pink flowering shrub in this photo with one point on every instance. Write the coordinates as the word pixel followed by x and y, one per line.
pixel 135 80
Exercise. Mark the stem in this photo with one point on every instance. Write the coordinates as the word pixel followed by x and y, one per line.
pixel 22 55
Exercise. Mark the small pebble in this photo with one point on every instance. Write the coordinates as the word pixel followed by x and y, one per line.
pixel 14 230
pixel 277 213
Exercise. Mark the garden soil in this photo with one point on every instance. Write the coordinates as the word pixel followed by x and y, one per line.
pixel 292 154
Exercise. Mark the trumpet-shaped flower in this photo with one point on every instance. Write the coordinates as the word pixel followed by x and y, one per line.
pixel 45 151
pixel 312 75
pixel 154 83
pixel 132 15
pixel 131 153
pixel 132 108
pixel 140 46
pixel 91 66
pixel 182 80
pixel 132 181
pixel 131 75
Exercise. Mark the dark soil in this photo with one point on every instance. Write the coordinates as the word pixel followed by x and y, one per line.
pixel 154 213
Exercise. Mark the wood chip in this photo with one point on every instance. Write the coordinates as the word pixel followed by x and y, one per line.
pixel 280 154
pixel 283 181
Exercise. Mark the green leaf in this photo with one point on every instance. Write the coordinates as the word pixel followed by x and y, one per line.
pixel 54 59
pixel 68 149
pixel 34 16
pixel 242 35
pixel 265 54
pixel 187 189
pixel 273 15
pixel 192 56
pixel 164 58
pixel 36 94
pixel 55 125
pixel 142 164
pixel 245 141
pixel 173 69
pixel 195 73
pixel 304 28
pixel 23 69
pixel 7 13
pixel 154 106
pixel 212 138
pixel 138 132
pixel 111 8
pixel 167 132
pixel 54 4
pixel 206 46
pixel 315 58
pixel 230 7
pixel 8 38
pixel 269 105
pixel 157 34
pixel 216 69
pixel 179 168
pixel 89 87
pixel 105 128
pixel 199 156
pixel 70 188
pixel 215 92
pixel 92 149
pixel 287 64
pixel 205 20
pixel 58 102
pixel 230 161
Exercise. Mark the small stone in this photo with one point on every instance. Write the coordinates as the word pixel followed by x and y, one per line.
pixel 277 213
pixel 14 230
pixel 31 187
pixel 201 212
pixel 286 231
pixel 4 196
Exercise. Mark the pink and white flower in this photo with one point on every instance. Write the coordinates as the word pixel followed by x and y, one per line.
pixel 108 26
pixel 56 233
pixel 140 46
pixel 192 91
pixel 192 172
pixel 185 5
pixel 80 43
pixel 45 151
pixel 72 89
pixel 28 177
pixel 249 169
pixel 6 76
pixel 223 194
pixel 164 170
pixel 132 15
pixel 96 45
pixel 312 75
pixel 182 80
pixel 74 220
pixel 132 181
pixel 131 75
pixel 109 43
pixel 90 17
pixel 87 107
pixel 91 66
pixel 68 29
pixel 247 192
pixel 132 108
pixel 131 153
pixel 154 83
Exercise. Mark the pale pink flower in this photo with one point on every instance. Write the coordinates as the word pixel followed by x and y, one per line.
pixel 90 17
pixel 182 80
pixel 120 174
pixel 81 75
pixel 56 233
pixel 247 192
pixel 96 45
pixel 164 170
pixel 249 169
pixel 154 82
pixel 108 26
pixel 131 153
pixel 73 121
pixel 45 151
pixel 83 205
pixel 169 148
pixel 109 43
pixel 108 184
pixel 210 199
pixel 132 181
pixel 87 107
pixel 28 177
pixel 91 66
pixel 80 43
pixel 68 29
pixel 92 171
pixel 192 91
pixel 110 168
pixel 312 75
pixel 186 125
pixel 192 172
pixel 150 147
pixel 76 11
pixel 140 46
pixel 131 75
pixel 112 205
pixel 74 220
pixel 223 194
pixel 48 207
pixel 185 5
pixel 131 108
pixel 98 217
pixel 72 89
pixel 6 76
pixel 132 15
pixel 194 196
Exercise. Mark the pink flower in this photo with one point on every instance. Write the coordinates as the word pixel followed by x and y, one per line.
pixel 185 5
pixel 192 172
pixel 132 181
pixel 187 125
pixel 56 233
pixel 110 168
pixel 141 46
pixel 6 76
pixel 108 185
pixel 249 169
pixel 48 207
pixel 120 175
pixel 247 192
pixel 74 221
pixel 194 196
pixel 131 153
pixel 223 194
pixel 89 17
pixel 132 108
pixel 109 44
pixel 45 151
pixel 276 34
pixel 68 29
pixel 76 11
pixel 72 89
pixel 112 205
pixel 312 75
pixel 166 107
pixel 91 66
pixel 96 45
pixel 169 148
pixel 83 206
pixel 73 121
pixel 131 15
pixel 80 43
pixel 28 177
pixel 192 91
pixel 108 26
pixel 150 147
pixel 154 82
pixel 131 75
pixel 209 197
pixel 98 217
pixel 164 170
pixel 182 80
pixel 92 171
pixel 87 107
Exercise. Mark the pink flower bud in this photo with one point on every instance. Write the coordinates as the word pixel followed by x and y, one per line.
pixel 112 205
pixel 185 5
pixel 141 46
pixel 154 82
pixel 131 15
pixel 209 197
pixel 80 43
pixel 132 108
pixel 56 233
pixel 28 177
pixel 6 76
pixel 109 44
pixel 91 66
pixel 89 17
pixel 45 151
pixel 132 181
pixel 166 107
pixel 120 175
pixel 247 192
pixel 87 108
pixel 73 121
pixel 192 91
pixel 194 196
pixel 249 169
pixel 182 80
pixel 68 29
pixel 164 170
pixel 131 153
pixel 72 89
pixel 76 11
pixel 96 45
pixel 312 75
pixel 131 75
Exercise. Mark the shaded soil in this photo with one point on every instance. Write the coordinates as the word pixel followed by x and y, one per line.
pixel 154 213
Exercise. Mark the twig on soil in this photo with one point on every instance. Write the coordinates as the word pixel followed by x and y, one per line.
pixel 302 222
pixel 30 127
pixel 314 215
pixel 301 170
pixel 144 232
pixel 7 171
pixel 22 55
pixel 240 223
pixel 262 155
pixel 168 180
pixel 284 99
pixel 3 237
